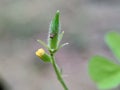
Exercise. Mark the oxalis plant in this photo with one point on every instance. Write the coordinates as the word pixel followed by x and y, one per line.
pixel 104 72
pixel 54 37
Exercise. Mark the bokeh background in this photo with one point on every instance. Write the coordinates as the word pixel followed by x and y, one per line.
pixel 85 23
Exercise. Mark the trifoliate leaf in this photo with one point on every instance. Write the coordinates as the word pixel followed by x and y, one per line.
pixel 113 41
pixel 104 73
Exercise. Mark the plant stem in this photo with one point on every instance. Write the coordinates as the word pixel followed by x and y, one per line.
pixel 58 73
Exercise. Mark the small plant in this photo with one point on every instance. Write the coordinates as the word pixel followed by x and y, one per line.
pixel 105 73
pixel 54 38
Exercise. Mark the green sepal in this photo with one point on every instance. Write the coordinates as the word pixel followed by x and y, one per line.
pixel 60 37
pixel 45 58
pixel 54 30
pixel 62 45
pixel 113 41
pixel 43 44
pixel 104 72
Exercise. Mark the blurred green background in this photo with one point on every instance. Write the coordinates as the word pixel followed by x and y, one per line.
pixel 85 23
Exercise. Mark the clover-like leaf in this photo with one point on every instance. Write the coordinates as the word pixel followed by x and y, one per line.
pixel 113 41
pixel 104 72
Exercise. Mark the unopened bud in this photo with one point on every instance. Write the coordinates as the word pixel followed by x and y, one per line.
pixel 54 31
pixel 42 55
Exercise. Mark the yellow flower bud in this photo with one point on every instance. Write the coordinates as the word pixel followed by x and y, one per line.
pixel 40 52
pixel 42 55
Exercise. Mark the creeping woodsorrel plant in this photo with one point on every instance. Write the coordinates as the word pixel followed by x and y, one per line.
pixel 104 72
pixel 54 38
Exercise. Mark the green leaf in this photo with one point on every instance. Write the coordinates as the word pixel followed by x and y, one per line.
pixel 62 45
pixel 60 37
pixel 113 41
pixel 54 31
pixel 54 25
pixel 42 43
pixel 104 73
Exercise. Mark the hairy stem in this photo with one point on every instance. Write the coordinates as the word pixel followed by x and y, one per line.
pixel 58 73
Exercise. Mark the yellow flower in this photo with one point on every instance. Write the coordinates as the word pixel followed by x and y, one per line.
pixel 40 52
pixel 42 55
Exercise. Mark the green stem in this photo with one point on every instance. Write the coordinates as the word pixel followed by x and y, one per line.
pixel 58 73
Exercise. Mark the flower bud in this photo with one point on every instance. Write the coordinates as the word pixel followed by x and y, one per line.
pixel 54 31
pixel 42 55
